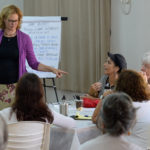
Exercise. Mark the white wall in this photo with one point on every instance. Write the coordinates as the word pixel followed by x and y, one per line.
pixel 18 3
pixel 131 33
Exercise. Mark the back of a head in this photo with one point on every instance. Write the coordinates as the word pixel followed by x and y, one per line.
pixel 117 114
pixel 3 134
pixel 132 83
pixel 29 102
pixel 29 90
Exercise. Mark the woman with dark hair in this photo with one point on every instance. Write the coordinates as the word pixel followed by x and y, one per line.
pixel 115 119
pixel 113 66
pixel 29 104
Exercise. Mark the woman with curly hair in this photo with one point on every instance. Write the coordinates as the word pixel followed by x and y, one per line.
pixel 133 83
pixel 15 49
pixel 30 105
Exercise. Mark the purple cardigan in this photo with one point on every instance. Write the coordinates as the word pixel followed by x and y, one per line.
pixel 25 52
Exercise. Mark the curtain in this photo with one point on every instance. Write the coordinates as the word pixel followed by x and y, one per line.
pixel 85 38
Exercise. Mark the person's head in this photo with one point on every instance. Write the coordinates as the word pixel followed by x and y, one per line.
pixel 117 114
pixel 115 64
pixel 3 134
pixel 10 18
pixel 146 64
pixel 132 83
pixel 29 100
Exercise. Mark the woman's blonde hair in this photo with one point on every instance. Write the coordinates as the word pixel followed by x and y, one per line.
pixel 7 11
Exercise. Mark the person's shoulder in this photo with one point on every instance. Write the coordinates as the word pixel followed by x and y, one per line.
pixel 134 147
pixel 145 103
pixel 22 34
pixel 93 143
pixel 5 110
pixel 1 31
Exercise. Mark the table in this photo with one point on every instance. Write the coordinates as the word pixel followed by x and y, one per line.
pixel 70 139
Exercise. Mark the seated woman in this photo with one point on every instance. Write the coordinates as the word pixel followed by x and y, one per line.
pixel 29 104
pixel 115 119
pixel 133 83
pixel 114 64
pixel 146 66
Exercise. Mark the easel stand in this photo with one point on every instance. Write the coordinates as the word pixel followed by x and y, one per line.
pixel 51 86
pixel 53 81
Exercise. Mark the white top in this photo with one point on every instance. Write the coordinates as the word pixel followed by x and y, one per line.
pixel 140 134
pixel 59 120
pixel 107 142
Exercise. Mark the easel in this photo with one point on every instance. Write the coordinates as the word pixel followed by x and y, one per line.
pixel 53 80
pixel 51 86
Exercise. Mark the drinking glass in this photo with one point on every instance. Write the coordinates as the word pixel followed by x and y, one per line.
pixel 79 105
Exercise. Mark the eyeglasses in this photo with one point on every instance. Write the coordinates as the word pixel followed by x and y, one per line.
pixel 12 21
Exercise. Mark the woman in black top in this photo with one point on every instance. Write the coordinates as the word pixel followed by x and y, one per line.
pixel 15 48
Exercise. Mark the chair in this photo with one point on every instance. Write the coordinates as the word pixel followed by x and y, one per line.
pixel 28 135
pixel 64 139
pixel 148 138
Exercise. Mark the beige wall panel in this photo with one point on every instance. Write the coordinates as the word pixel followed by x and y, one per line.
pixel 41 7
pixel 79 43
pixel 18 3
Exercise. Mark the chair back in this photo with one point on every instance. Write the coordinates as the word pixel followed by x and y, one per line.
pixel 28 135
pixel 148 138
pixel 64 139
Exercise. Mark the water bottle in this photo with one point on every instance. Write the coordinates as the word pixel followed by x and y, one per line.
pixel 64 109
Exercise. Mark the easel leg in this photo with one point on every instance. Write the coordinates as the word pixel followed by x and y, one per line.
pixel 55 90
pixel 44 84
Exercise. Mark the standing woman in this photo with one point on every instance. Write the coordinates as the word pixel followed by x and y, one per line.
pixel 15 48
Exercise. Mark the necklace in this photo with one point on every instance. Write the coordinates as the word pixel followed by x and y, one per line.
pixel 10 35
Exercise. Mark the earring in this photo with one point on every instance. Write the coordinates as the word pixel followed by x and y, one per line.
pixel 129 133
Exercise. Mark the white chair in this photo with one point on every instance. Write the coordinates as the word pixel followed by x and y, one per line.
pixel 28 135
pixel 148 138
